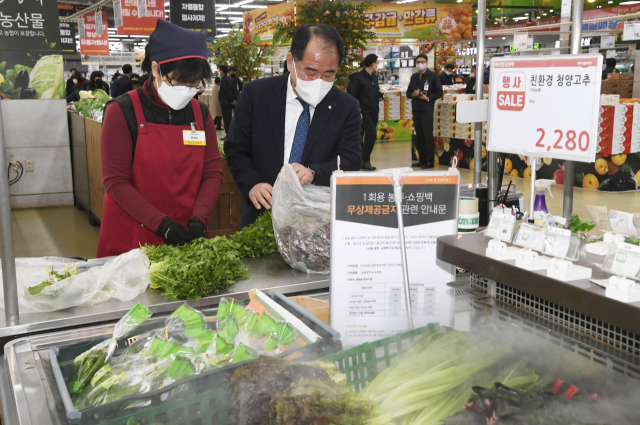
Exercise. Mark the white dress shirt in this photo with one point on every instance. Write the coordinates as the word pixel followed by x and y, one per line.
pixel 292 114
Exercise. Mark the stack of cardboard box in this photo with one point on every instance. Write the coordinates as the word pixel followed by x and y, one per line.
pixel 618 83
pixel 395 106
pixel 619 129
pixel 444 117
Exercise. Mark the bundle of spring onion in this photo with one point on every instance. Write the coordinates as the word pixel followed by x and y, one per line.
pixel 205 266
pixel 434 377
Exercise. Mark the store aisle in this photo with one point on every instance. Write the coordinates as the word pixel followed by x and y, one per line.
pixel 60 232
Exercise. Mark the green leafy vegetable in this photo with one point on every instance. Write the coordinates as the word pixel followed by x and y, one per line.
pixel 578 225
pixel 257 239
pixel 53 278
pixel 47 77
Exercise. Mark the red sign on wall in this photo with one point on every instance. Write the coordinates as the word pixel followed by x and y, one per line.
pixel 92 43
pixel 133 25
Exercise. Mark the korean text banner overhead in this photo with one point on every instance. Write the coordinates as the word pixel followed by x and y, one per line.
pixel 194 14
pixel 92 43
pixel 67 29
pixel 133 25
pixel 29 25
pixel 258 24
pixel 615 25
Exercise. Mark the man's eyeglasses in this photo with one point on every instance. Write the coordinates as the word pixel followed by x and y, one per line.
pixel 200 86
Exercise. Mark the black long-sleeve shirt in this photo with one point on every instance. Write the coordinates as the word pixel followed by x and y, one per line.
pixel 447 80
pixel 226 94
pixel 428 83
pixel 365 88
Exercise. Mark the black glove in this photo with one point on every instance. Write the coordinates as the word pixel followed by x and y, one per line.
pixel 173 233
pixel 196 229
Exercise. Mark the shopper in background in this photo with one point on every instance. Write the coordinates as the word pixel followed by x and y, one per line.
pixel 300 118
pixel 424 89
pixel 226 97
pixel 237 84
pixel 123 85
pixel 216 110
pixel 79 84
pixel 96 83
pixel 487 74
pixel 135 80
pixel 351 77
pixel 610 68
pixel 70 83
pixel 114 80
pixel 446 77
pixel 365 88
pixel 159 189
pixel 471 82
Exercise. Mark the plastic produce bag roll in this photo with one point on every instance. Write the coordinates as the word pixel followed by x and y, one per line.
pixel 89 362
pixel 301 222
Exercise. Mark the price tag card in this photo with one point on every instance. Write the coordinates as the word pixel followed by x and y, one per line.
pixel 530 236
pixel 501 226
pixel 631 31
pixel 622 222
pixel 117 13
pixel 194 138
pixel 600 217
pixel 552 104
pixel 98 18
pixel 520 41
pixel 622 263
pixel 607 41
pixel 561 243
pixel 611 54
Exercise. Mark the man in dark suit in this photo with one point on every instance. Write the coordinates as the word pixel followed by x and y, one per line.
pixel 446 77
pixel 226 97
pixel 123 85
pixel 424 89
pixel 299 118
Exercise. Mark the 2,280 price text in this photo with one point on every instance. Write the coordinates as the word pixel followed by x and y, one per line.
pixel 571 140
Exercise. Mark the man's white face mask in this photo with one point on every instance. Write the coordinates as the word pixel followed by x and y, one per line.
pixel 312 91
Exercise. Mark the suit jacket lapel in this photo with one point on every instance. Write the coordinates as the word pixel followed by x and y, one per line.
pixel 320 119
pixel 278 107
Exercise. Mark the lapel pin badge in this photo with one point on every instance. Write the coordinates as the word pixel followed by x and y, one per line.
pixel 329 106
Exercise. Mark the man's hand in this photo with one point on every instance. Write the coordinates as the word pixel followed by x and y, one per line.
pixel 234 103
pixel 260 195
pixel 416 93
pixel 304 174
pixel 423 97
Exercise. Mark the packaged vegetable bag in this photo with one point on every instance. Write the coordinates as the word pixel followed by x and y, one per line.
pixel 88 363
pixel 301 218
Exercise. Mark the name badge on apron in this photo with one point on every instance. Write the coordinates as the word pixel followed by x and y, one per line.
pixel 194 137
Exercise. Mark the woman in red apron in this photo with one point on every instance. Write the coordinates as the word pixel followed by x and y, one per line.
pixel 161 165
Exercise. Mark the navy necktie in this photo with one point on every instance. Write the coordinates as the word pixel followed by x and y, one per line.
pixel 300 137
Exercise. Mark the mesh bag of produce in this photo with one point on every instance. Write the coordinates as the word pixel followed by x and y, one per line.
pixel 301 222
pixel 88 363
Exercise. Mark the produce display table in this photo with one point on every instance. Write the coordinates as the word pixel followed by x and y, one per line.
pixel 580 305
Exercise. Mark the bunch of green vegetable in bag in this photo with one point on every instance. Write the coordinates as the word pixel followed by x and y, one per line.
pixel 434 377
pixel 53 278
pixel 91 102
pixel 204 266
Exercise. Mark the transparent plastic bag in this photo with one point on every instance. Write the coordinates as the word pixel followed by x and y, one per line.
pixel 91 361
pixel 301 222
pixel 123 277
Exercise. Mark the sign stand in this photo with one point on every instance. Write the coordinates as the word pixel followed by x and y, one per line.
pixel 624 263
pixel 501 229
pixel 565 247
pixel 532 197
pixel 531 238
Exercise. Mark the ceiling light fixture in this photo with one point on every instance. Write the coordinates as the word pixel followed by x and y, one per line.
pixel 630 2
pixel 253 6
pixel 230 13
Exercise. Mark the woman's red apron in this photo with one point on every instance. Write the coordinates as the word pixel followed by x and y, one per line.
pixel 166 172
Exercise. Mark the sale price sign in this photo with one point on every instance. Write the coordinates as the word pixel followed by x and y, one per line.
pixel 545 106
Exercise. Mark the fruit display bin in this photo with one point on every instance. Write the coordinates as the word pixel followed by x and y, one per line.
pixel 361 364
pixel 191 387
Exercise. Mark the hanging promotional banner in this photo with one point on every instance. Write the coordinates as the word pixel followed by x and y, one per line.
pixel 117 13
pixel 194 14
pixel 258 24
pixel 367 289
pixel 142 8
pixel 551 103
pixel 98 21
pixel 614 24
pixel 29 25
pixel 67 29
pixel 114 58
pixel 92 43
pixel 132 23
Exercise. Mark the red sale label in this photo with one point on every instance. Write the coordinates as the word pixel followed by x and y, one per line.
pixel 511 93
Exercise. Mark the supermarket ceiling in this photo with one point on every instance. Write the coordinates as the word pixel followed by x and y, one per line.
pixel 229 12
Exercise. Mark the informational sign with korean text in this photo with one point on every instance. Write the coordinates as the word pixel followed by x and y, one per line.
pixel 92 43
pixel 114 58
pixel 194 14
pixel 29 25
pixel 367 290
pixel 67 29
pixel 133 24
pixel 545 106
pixel 258 24
pixel 631 31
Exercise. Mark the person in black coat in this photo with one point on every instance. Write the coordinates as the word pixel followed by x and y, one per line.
pixel 96 83
pixel 365 88
pixel 610 68
pixel 471 82
pixel 70 83
pixel 446 77
pixel 123 85
pixel 80 84
pixel 352 76
pixel 290 119
pixel 424 89
pixel 235 82
pixel 226 97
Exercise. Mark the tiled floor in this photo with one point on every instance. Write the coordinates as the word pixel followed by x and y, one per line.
pixel 65 231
